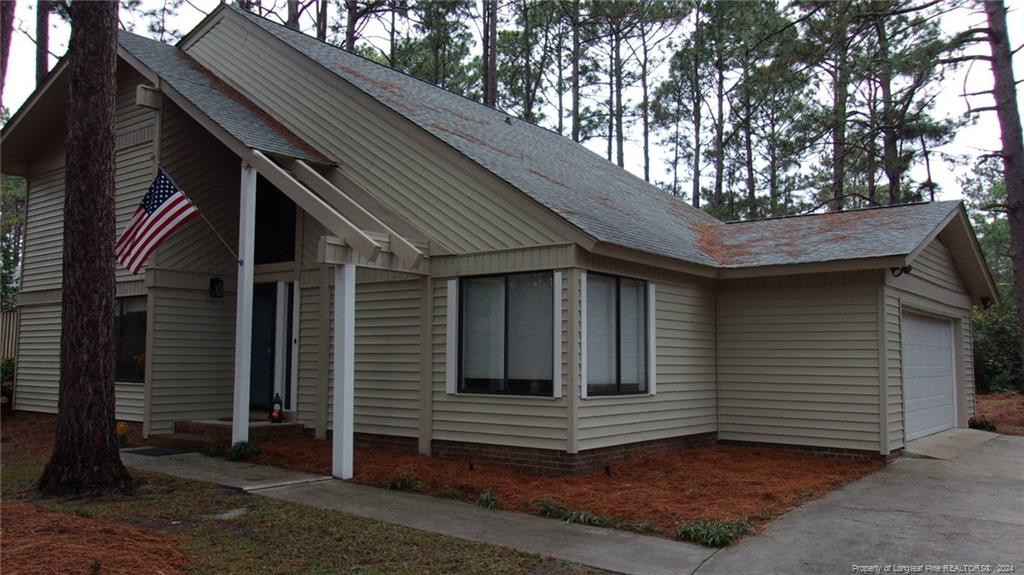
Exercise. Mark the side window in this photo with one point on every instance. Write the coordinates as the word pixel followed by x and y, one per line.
pixel 506 338
pixel 617 352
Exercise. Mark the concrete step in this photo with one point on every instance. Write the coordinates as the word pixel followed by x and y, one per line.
pixel 189 441
pixel 258 430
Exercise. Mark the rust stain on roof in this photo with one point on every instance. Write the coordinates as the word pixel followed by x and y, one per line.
pixel 471 138
pixel 548 178
pixel 226 89
pixel 382 84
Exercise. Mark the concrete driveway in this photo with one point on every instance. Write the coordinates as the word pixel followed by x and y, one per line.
pixel 965 511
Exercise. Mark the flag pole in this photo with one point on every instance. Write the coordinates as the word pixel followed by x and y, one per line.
pixel 201 214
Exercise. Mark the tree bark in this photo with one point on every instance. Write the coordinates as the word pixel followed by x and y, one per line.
pixel 293 15
pixel 1005 93
pixel 840 96
pixel 717 199
pixel 695 104
pixel 576 70
pixel 491 52
pixel 321 20
pixel 85 455
pixel 6 29
pixel 351 18
pixel 620 157
pixel 748 141
pixel 42 40
pixel 645 107
pixel 890 135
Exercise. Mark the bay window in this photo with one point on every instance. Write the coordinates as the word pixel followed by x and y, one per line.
pixel 616 335
pixel 505 334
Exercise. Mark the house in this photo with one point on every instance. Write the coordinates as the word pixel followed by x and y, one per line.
pixel 425 272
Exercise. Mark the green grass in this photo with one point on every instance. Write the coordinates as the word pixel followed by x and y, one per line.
pixel 280 537
pixel 551 509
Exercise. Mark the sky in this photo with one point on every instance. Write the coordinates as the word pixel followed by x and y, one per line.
pixel 981 136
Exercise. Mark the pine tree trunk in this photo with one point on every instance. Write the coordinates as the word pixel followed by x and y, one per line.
pixel 293 15
pixel 576 70
pixel 645 109
pixel 619 110
pixel 321 20
pixel 42 40
pixel 695 104
pixel 748 143
pixel 840 95
pixel 6 29
pixel 890 136
pixel 1005 93
pixel 351 18
pixel 490 52
pixel 719 134
pixel 85 455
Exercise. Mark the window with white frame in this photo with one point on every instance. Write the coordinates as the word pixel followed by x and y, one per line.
pixel 505 334
pixel 618 357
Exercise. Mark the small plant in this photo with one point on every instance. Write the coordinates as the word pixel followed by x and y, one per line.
pixel 983 423
pixel 81 512
pixel 549 508
pixel 242 451
pixel 641 527
pixel 453 493
pixel 404 482
pixel 714 533
pixel 6 369
pixel 94 567
pixel 489 500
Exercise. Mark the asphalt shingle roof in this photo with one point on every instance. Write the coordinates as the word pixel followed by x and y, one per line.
pixel 855 234
pixel 590 192
pixel 222 104
pixel 595 195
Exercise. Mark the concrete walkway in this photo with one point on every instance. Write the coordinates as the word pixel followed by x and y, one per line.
pixel 963 511
pixel 607 549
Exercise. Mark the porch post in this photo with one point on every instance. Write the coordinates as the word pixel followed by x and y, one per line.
pixel 344 370
pixel 243 311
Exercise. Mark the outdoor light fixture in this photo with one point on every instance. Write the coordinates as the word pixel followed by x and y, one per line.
pixel 898 271
pixel 216 287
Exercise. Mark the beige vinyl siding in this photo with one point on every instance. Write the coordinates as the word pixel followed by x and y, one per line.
pixel 539 422
pixel 685 398
pixel 129 403
pixel 386 352
pixel 894 368
pixel 38 366
pixel 406 169
pixel 192 357
pixel 933 278
pixel 44 232
pixel 211 177
pixel 798 363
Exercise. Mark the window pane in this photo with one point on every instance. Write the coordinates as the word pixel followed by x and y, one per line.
pixel 601 326
pixel 483 334
pixel 530 333
pixel 632 336
pixel 130 339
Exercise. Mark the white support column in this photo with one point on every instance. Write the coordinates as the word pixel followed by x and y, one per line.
pixel 243 310
pixel 344 370
pixel 282 346
pixel 293 401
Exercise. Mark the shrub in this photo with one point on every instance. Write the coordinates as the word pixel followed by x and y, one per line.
pixel 714 533
pixel 404 482
pixel 6 369
pixel 549 508
pixel 242 451
pixel 453 493
pixel 489 500
pixel 983 423
pixel 212 448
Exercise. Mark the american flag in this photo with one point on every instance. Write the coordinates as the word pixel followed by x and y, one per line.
pixel 164 209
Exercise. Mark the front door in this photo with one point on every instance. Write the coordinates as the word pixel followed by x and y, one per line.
pixel 264 334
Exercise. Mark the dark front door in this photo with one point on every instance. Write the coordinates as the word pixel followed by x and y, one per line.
pixel 264 314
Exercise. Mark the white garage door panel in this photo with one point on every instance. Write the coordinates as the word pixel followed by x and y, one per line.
pixel 927 375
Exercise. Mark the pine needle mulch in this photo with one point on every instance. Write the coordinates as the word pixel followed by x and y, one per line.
pixel 717 482
pixel 1005 409
pixel 39 541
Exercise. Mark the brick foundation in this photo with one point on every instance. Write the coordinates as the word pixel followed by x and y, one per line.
pixel 553 462
pixel 375 441
pixel 828 452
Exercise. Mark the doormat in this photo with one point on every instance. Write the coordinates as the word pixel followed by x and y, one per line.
pixel 158 451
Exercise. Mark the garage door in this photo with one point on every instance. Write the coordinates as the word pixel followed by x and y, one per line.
pixel 927 375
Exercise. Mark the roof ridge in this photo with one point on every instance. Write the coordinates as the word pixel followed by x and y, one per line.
pixel 865 209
